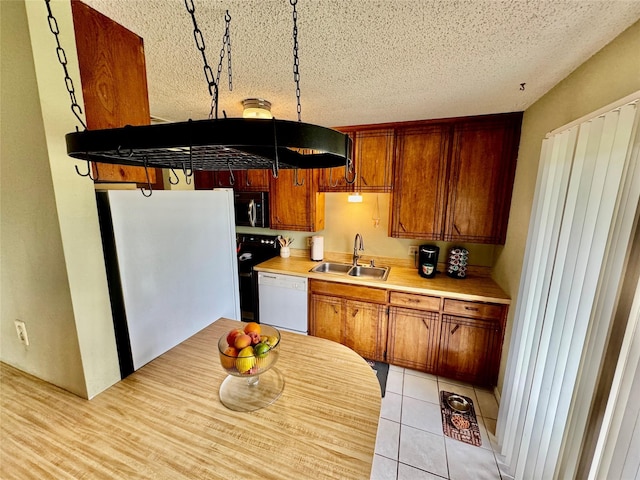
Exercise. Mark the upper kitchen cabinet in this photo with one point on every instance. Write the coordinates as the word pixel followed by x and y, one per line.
pixel 483 163
pixel 419 194
pixel 240 180
pixel 373 163
pixel 296 206
pixel 454 178
pixel 254 181
pixel 337 179
pixel 374 160
pixel 114 83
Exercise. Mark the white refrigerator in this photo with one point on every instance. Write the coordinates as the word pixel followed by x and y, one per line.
pixel 171 266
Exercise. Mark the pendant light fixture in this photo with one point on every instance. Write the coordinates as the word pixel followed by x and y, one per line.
pixel 256 141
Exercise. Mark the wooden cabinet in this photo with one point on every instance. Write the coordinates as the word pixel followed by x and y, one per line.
pixel 480 183
pixel 296 206
pixel 254 181
pixel 337 179
pixel 374 160
pixel 241 181
pixel 413 339
pixel 114 84
pixel 414 331
pixel 453 179
pixel 471 345
pixel 341 313
pixel 419 195
pixel 373 151
pixel 448 337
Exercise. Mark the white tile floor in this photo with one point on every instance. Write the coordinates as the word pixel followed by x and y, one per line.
pixel 410 443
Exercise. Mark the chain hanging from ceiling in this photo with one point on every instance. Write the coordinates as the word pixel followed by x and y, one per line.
pixel 296 59
pixel 212 83
pixel 68 81
pixel 218 144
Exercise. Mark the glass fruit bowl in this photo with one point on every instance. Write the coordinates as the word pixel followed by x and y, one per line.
pixel 248 354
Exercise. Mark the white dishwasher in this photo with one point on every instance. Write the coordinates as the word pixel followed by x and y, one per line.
pixel 282 301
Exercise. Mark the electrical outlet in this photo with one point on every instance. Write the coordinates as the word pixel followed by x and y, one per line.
pixel 309 241
pixel 413 250
pixel 21 330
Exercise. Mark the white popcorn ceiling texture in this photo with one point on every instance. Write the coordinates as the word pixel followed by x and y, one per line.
pixel 369 61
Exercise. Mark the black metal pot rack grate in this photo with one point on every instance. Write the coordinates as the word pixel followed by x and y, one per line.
pixel 215 144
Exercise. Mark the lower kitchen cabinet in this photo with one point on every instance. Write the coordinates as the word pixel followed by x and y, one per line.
pixel 413 339
pixel 471 340
pixel 326 317
pixel 360 325
pixel 470 349
pixel 448 337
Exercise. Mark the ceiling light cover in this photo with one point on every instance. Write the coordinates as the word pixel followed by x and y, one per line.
pixel 256 108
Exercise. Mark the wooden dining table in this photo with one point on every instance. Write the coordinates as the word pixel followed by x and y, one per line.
pixel 166 421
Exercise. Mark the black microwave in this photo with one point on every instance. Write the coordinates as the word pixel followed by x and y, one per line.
pixel 252 209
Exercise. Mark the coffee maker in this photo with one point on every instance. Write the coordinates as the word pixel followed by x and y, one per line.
pixel 428 260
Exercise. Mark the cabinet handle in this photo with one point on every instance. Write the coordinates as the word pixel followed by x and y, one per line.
pixel 457 229
pixel 335 310
pixel 363 180
pixel 426 325
pixel 455 329
pixel 355 312
pixel 402 226
pixel 413 300
pixel 472 309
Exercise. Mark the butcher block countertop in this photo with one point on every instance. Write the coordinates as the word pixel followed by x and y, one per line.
pixel 479 288
pixel 165 421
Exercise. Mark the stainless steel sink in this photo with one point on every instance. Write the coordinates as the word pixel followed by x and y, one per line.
pixel 360 271
pixel 330 267
pixel 378 273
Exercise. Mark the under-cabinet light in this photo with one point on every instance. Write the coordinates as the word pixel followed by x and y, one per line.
pixel 354 198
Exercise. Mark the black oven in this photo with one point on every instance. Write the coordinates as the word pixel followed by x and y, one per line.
pixel 252 250
pixel 252 209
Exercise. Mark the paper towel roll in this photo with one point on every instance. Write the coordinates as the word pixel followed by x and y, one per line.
pixel 317 248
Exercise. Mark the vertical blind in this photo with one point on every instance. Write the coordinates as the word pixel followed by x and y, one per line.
pixel 582 219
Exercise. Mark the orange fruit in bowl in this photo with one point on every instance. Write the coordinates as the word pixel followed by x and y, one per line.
pixel 241 341
pixel 252 327
pixel 228 358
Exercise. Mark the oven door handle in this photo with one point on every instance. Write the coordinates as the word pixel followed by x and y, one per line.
pixel 245 275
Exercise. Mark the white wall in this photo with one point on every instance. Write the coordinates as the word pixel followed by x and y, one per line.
pixel 53 275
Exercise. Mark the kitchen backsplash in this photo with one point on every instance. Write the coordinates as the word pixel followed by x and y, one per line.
pixel 343 220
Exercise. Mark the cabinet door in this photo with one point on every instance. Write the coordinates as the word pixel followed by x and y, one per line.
pixel 204 180
pixel 335 179
pixel 374 159
pixel 481 179
pixel 114 84
pixel 365 329
pixel 296 207
pixel 226 179
pixel 254 181
pixel 413 339
pixel 419 192
pixel 470 349
pixel 326 317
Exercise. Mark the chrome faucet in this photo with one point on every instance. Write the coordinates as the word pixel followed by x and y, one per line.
pixel 358 245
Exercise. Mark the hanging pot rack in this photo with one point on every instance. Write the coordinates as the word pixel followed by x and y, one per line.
pixel 215 144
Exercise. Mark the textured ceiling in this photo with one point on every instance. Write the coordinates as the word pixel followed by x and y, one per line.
pixel 369 61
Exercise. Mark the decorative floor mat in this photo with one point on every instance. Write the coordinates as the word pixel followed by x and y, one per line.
pixel 459 418
pixel 382 370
